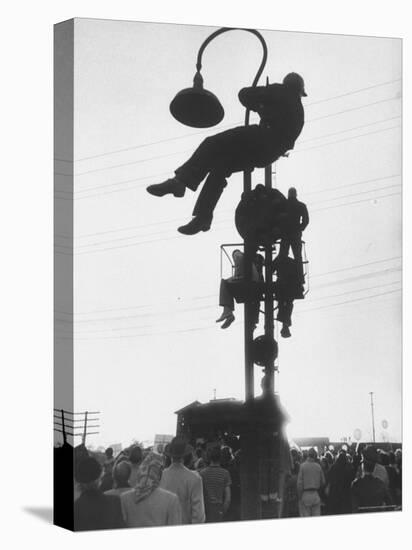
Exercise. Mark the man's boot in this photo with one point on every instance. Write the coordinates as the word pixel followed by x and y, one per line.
pixel 197 224
pixel 171 186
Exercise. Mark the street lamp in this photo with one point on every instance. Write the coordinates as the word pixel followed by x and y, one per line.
pixel 200 108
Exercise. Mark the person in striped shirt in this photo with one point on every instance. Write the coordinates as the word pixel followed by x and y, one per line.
pixel 216 487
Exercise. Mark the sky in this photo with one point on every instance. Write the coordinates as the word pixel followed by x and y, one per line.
pixel 146 298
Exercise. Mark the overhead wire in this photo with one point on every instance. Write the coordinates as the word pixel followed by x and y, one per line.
pixel 140 242
pixel 158 142
pixel 213 327
pixel 351 279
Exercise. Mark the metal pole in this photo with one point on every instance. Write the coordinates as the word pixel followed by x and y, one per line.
pixel 269 309
pixel 248 329
pixel 373 416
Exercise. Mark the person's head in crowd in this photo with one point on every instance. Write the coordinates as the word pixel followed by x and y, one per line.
pixel 292 193
pixel 312 453
pixel 226 457
pixel 370 454
pixel 121 474
pixel 178 449
pixel 398 457
pixel 384 458
pixel 80 452
pixel 392 459
pixel 109 453
pixel 136 455
pixel 305 455
pixel 215 455
pixel 188 460
pixel 324 464
pixel 329 457
pixel 294 455
pixel 368 467
pixel 87 473
pixel 341 459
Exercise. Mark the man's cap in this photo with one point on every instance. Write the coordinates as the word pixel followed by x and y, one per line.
pixel 88 470
pixel 294 80
pixel 178 447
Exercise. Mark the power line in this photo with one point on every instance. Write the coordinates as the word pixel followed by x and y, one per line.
pixel 132 327
pixel 125 149
pixel 346 139
pixel 133 180
pixel 325 190
pixel 98 243
pixel 71 198
pixel 189 150
pixel 381 272
pixel 163 231
pixel 214 327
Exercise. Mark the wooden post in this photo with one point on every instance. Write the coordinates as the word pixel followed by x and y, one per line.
pixel 63 428
pixel 85 429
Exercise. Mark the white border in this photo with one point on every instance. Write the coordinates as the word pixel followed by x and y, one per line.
pixel 27 264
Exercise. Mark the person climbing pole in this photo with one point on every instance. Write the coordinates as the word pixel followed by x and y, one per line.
pixel 239 149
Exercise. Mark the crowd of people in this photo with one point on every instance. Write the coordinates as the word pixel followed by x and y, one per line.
pixel 343 482
pixel 187 485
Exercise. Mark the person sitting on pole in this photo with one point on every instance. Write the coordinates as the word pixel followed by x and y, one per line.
pixel 226 299
pixel 288 286
pixel 296 222
pixel 239 149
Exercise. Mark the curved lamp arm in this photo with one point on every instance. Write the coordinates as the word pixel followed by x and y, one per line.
pixel 221 31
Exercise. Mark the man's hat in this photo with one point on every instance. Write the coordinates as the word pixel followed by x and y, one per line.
pixel 370 454
pixel 88 470
pixel 178 448
pixel 294 80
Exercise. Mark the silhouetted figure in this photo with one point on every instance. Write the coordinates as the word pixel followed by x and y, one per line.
pixel 369 492
pixel 94 510
pixel 296 221
pixel 288 286
pixel 243 148
pixel 226 299
pixel 340 477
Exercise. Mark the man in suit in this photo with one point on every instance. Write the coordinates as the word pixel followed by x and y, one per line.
pixel 243 148
pixel 184 483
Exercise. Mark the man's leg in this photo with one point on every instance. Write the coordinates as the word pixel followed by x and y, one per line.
pixel 304 511
pixel 296 245
pixel 209 196
pixel 227 302
pixel 225 296
pixel 284 247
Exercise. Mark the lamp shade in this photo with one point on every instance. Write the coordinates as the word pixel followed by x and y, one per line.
pixel 197 107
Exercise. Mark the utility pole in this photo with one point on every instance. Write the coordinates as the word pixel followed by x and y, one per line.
pixel 373 416
pixel 269 386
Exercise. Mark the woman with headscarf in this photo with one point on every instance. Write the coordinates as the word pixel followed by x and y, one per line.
pixel 147 505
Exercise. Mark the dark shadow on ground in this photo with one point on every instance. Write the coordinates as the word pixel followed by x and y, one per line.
pixel 44 513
